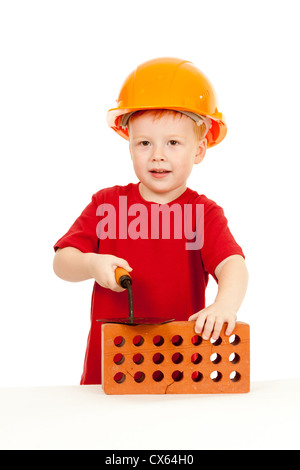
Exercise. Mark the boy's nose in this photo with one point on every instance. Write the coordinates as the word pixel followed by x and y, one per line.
pixel 158 155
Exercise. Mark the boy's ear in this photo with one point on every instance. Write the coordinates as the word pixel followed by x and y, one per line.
pixel 201 151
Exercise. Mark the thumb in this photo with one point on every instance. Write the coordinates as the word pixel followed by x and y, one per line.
pixel 121 263
pixel 193 317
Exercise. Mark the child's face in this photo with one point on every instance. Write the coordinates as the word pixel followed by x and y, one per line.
pixel 163 152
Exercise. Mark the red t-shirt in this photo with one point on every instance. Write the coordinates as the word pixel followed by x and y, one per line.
pixel 171 259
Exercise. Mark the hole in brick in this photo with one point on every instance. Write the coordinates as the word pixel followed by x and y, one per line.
pixel 139 376
pixel 216 342
pixel 234 340
pixel 157 375
pixel 235 376
pixel 138 358
pixel 158 358
pixel 119 377
pixel 138 340
pixel 177 340
pixel 177 375
pixel 119 341
pixel 234 358
pixel 196 340
pixel 216 376
pixel 158 340
pixel 119 359
pixel 196 358
pixel 197 376
pixel 177 358
pixel 215 358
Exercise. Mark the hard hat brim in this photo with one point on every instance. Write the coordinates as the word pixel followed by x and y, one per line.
pixel 214 136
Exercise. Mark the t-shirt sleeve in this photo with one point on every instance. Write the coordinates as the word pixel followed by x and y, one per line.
pixel 83 233
pixel 219 242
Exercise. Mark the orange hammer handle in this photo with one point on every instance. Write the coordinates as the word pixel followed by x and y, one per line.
pixel 121 274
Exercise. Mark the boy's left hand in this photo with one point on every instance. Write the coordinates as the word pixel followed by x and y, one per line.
pixel 211 319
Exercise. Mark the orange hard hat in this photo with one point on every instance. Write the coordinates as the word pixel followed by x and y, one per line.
pixel 169 83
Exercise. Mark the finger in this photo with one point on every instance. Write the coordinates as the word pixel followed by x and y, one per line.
pixel 200 323
pixel 117 288
pixel 209 325
pixel 110 283
pixel 230 327
pixel 217 328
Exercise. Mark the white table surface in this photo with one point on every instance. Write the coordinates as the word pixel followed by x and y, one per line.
pixel 83 417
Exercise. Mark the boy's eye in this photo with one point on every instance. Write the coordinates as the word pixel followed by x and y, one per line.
pixel 173 142
pixel 144 143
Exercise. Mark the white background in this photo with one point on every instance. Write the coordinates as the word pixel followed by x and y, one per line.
pixel 62 65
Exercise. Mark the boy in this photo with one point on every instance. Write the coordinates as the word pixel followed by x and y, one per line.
pixel 169 236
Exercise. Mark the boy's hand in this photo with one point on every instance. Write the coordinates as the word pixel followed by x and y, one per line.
pixel 102 269
pixel 210 320
pixel 232 278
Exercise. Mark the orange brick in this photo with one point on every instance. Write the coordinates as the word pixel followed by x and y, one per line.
pixel 171 358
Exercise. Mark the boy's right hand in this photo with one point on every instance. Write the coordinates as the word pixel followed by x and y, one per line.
pixel 102 269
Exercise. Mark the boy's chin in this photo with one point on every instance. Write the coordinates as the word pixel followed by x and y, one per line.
pixel 160 193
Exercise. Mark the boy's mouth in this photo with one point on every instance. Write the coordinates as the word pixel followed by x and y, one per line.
pixel 159 172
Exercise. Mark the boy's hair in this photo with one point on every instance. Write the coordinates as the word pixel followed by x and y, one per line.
pixel 200 130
